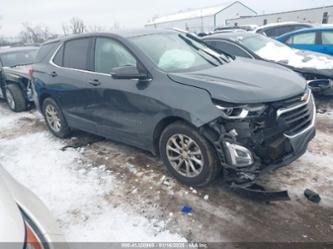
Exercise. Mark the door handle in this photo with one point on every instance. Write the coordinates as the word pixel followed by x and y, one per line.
pixel 94 82
pixel 54 74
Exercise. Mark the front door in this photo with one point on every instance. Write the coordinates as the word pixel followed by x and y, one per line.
pixel 124 106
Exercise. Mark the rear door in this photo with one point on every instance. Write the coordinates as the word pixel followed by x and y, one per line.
pixel 70 85
pixel 327 42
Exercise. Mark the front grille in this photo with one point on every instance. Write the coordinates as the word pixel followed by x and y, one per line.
pixel 296 118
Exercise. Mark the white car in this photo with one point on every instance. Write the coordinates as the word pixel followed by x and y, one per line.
pixel 25 222
pixel 276 29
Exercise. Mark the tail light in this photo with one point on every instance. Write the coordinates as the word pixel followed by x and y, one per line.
pixel 32 240
pixel 30 72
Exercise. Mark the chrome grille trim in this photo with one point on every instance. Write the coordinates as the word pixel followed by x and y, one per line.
pixel 311 103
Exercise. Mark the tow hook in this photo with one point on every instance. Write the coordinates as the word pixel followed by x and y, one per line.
pixel 259 193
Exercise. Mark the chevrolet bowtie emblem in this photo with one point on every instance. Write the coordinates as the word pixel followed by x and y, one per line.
pixel 305 97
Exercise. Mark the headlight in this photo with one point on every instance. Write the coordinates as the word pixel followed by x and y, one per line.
pixel 240 112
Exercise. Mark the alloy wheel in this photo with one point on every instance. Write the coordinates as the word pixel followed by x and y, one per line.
pixel 52 117
pixel 185 155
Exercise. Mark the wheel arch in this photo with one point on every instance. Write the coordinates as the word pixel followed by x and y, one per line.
pixel 42 98
pixel 161 125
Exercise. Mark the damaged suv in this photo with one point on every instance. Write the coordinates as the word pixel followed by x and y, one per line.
pixel 162 91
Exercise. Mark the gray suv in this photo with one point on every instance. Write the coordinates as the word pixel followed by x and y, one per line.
pixel 164 92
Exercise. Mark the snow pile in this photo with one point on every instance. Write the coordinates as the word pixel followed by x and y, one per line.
pixel 293 57
pixel 75 193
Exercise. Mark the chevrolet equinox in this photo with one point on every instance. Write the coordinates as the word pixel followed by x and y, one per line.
pixel 202 112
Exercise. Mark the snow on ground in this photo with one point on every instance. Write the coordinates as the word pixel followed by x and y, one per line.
pixel 74 192
pixel 130 198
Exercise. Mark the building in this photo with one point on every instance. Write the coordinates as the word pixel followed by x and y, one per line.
pixel 320 15
pixel 202 20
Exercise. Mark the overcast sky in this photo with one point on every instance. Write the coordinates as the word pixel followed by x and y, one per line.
pixel 128 14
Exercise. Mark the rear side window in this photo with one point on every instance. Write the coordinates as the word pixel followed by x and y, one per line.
pixel 327 38
pixel 229 48
pixel 58 58
pixel 109 54
pixel 18 58
pixel 76 53
pixel 44 51
pixel 305 38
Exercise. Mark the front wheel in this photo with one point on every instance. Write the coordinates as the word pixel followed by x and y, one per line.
pixel 188 155
pixel 55 119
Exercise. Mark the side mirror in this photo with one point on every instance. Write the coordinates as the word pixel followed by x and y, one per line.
pixel 128 73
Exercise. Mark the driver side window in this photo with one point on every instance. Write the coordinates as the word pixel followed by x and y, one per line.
pixel 110 54
pixel 304 38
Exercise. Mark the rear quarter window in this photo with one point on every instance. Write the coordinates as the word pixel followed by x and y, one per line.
pixel 45 50
pixel 327 37
pixel 58 58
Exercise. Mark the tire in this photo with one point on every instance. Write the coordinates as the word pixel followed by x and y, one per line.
pixel 202 175
pixel 15 98
pixel 55 119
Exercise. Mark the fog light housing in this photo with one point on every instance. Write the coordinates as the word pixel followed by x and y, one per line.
pixel 239 155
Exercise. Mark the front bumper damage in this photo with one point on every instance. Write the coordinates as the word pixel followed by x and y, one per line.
pixel 247 151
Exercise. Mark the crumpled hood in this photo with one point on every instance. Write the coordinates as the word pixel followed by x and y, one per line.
pixel 245 81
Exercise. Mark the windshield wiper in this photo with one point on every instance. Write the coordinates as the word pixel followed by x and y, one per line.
pixel 221 56
pixel 189 42
pixel 197 39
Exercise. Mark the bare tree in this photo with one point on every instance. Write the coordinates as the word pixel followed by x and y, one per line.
pixel 97 28
pixel 75 26
pixel 35 34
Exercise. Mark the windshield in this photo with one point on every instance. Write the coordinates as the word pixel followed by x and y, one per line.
pixel 176 52
pixel 266 48
pixel 13 59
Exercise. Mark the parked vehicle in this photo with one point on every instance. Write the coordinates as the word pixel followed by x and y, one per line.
pixel 25 221
pixel 15 80
pixel 230 31
pixel 314 39
pixel 249 27
pixel 276 29
pixel 316 68
pixel 162 91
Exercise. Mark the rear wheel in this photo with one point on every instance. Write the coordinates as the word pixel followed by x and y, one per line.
pixel 55 119
pixel 188 155
pixel 15 98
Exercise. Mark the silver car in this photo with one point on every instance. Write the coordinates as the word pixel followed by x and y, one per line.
pixel 25 221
